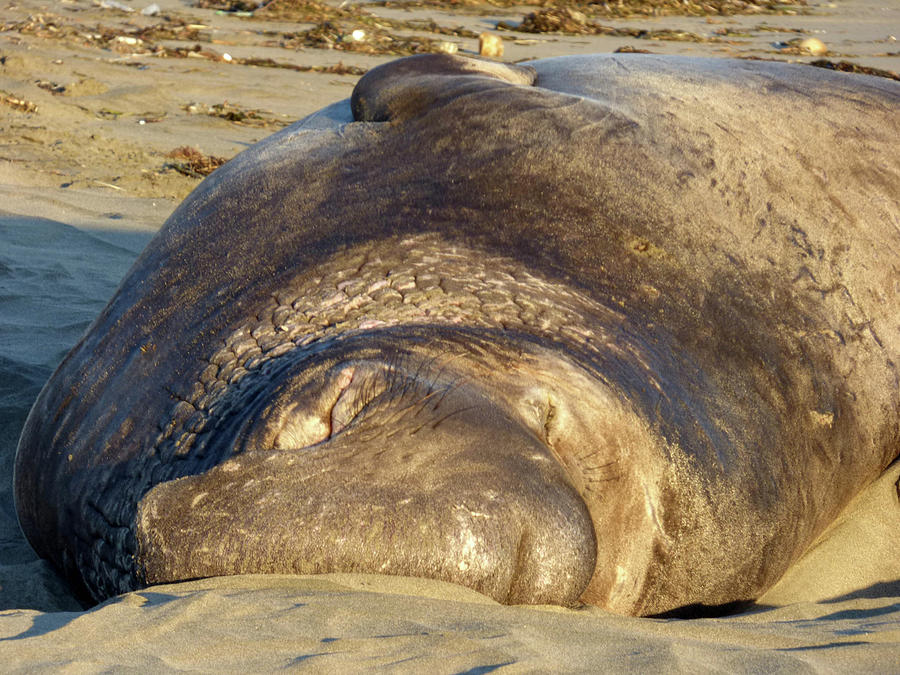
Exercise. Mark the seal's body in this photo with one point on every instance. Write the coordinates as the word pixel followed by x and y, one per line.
pixel 621 329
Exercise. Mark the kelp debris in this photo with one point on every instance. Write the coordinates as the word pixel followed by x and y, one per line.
pixel 328 35
pixel 232 113
pixel 850 67
pixel 335 69
pixel 572 22
pixel 191 162
pixel 628 49
pixel 617 8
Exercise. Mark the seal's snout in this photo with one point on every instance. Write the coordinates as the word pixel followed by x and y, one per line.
pixel 453 489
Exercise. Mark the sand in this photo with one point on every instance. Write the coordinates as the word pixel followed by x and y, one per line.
pixel 85 179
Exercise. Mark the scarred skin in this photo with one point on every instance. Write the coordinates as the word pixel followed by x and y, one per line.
pixel 618 329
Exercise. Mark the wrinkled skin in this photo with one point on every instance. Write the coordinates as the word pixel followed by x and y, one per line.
pixel 618 329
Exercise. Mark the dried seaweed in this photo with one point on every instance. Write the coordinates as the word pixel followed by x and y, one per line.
pixel 237 115
pixel 618 8
pixel 850 67
pixel 336 69
pixel 329 35
pixel 191 162
pixel 571 22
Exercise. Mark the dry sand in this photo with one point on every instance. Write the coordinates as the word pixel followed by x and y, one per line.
pixel 87 121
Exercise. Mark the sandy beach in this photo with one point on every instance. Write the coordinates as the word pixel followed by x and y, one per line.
pixel 112 112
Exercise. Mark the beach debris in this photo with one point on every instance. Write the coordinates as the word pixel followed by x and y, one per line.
pixel 553 20
pixel 813 46
pixel 347 27
pixel 150 117
pixel 304 11
pixel 366 34
pixel 628 49
pixel 850 67
pixel 151 10
pixel 109 185
pixel 114 4
pixel 571 22
pixel 198 52
pixel 335 69
pixel 191 162
pixel 17 103
pixel 232 113
pixel 732 32
pixel 52 87
pixel 331 35
pixel 429 26
pixel 621 8
pixel 124 40
pixel 490 45
pixel 236 7
pixel 802 47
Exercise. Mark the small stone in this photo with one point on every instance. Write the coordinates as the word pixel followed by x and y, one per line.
pixel 490 45
pixel 813 46
pixel 447 47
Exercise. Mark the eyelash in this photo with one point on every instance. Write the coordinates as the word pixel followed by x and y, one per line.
pixel 401 388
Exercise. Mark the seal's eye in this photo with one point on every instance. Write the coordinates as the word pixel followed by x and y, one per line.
pixel 312 421
pixel 320 407
pixel 323 400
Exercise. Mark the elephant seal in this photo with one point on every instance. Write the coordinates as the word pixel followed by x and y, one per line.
pixel 618 329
